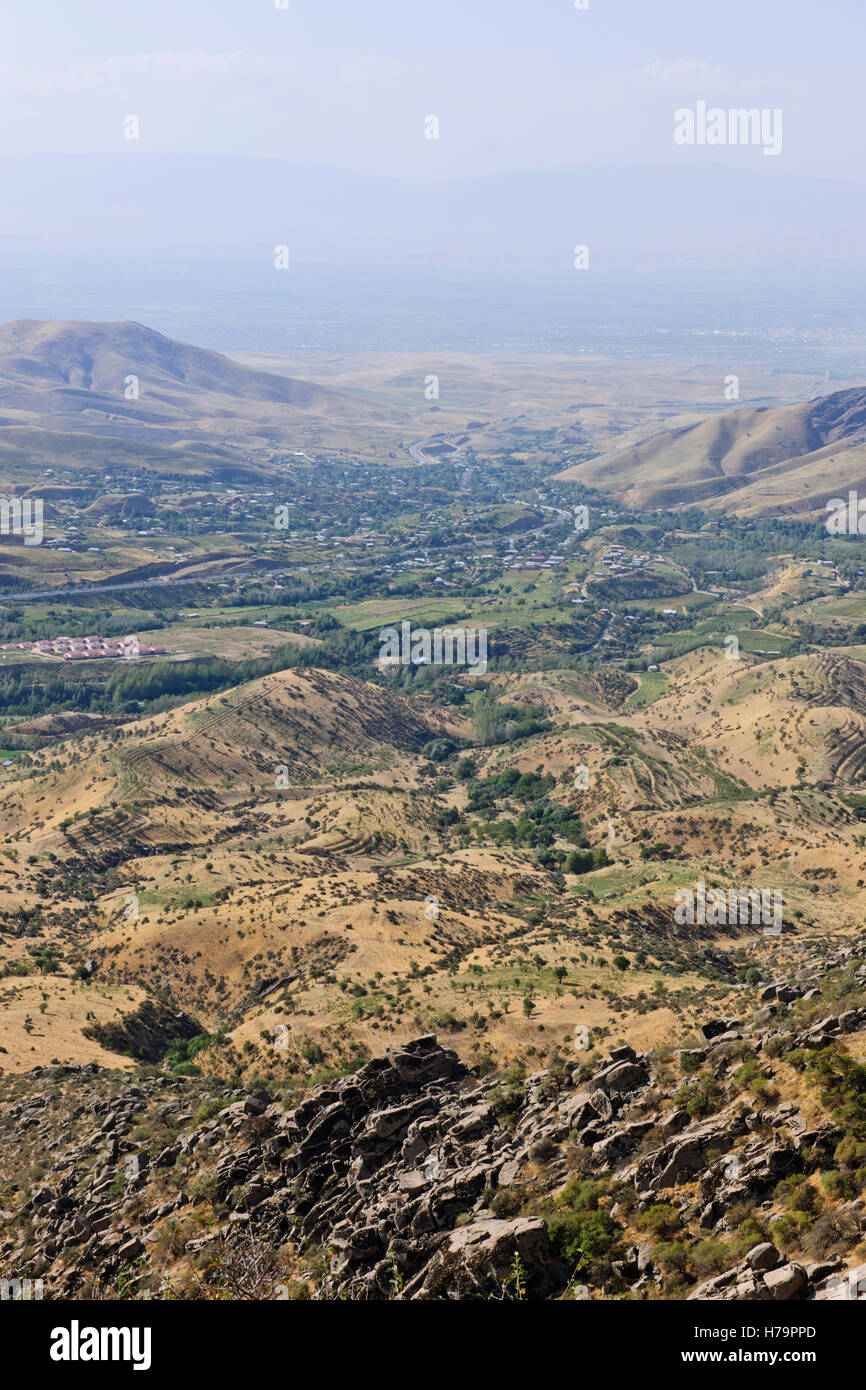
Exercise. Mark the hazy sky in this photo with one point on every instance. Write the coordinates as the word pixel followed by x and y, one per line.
pixel 515 84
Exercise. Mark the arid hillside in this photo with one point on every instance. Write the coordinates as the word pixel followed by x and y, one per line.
pixel 755 462
pixel 716 1165
pixel 81 395
pixel 313 853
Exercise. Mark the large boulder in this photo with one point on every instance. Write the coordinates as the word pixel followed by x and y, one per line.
pixel 484 1258
pixel 763 1256
pixel 786 1282
pixel 423 1060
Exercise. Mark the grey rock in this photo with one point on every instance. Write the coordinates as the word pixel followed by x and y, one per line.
pixel 763 1256
pixel 786 1282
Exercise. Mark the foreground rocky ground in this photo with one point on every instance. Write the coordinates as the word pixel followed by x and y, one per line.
pixel 732 1167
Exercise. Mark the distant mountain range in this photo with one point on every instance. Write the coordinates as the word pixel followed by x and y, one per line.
pixel 217 207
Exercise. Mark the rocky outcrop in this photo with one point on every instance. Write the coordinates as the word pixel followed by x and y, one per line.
pixel 412 1177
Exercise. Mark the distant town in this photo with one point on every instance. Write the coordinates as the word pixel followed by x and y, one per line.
pixel 84 648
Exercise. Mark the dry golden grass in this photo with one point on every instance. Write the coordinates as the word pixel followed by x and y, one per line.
pixel 323 885
pixel 42 1017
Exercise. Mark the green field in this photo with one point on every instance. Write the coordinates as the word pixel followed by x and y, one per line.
pixel 850 609
pixel 652 686
pixel 389 612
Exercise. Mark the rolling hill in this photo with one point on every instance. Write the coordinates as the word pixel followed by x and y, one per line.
pixel 96 357
pixel 82 395
pixel 189 774
pixel 766 461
